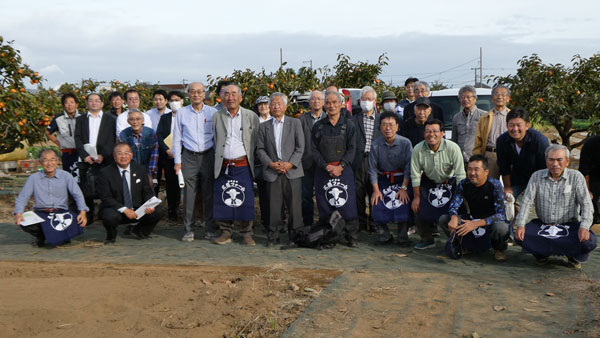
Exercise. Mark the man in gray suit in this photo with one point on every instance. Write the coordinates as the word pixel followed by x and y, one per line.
pixel 279 148
pixel 235 133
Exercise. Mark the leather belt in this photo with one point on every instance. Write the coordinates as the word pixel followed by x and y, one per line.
pixel 70 151
pixel 490 149
pixel 237 162
pixel 197 152
pixel 391 174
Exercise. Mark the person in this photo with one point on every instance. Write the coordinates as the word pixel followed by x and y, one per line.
pixel 308 120
pixel 333 149
pixel 464 124
pixel 482 199
pixel 236 133
pixel 264 115
pixel 436 165
pixel 123 188
pixel 51 189
pixel 520 152
pixel 366 122
pixel 344 110
pixel 159 98
pixel 421 89
pixel 389 175
pixel 492 125
pixel 279 148
pixel 96 130
pixel 589 166
pixel 143 143
pixel 194 156
pixel 389 101
pixel 409 91
pixel 116 103
pixel 564 208
pixel 64 126
pixel 414 128
pixel 219 90
pixel 165 153
pixel 132 98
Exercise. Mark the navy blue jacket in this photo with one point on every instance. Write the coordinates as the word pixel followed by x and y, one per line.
pixel 361 138
pixel 520 166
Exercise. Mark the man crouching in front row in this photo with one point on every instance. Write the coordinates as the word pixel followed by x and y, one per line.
pixel 564 207
pixel 123 187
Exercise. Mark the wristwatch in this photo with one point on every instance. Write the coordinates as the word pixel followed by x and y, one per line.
pixel 405 188
pixel 343 164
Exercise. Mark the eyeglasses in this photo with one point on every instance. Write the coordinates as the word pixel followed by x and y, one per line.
pixel 427 132
pixel 388 125
pixel 467 97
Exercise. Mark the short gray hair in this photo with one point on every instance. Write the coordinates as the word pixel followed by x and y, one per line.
pixel 498 86
pixel 187 88
pixel 278 94
pixel 47 150
pixel 467 88
pixel 317 92
pixel 337 95
pixel 134 110
pixel 422 83
pixel 367 89
pixel 555 147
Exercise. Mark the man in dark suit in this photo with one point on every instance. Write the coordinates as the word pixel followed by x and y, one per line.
pixel 367 129
pixel 98 130
pixel 308 120
pixel 165 153
pixel 124 187
pixel 279 148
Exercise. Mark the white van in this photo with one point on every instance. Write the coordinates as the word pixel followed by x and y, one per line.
pixel 448 100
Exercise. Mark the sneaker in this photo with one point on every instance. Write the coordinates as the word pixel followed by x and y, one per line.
pixel 188 237
pixel 422 245
pixel 500 255
pixel 574 263
pixel 412 230
pixel 435 233
pixel 248 240
pixel 210 235
pixel 223 239
pixel 353 243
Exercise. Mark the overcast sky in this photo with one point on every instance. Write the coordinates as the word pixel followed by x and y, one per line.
pixel 168 41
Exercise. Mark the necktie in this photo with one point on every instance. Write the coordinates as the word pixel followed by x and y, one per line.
pixel 126 193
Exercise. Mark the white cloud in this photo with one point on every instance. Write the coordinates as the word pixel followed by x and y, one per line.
pixel 45 71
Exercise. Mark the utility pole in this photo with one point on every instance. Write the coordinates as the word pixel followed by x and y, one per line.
pixel 475 83
pixel 280 57
pixel 481 66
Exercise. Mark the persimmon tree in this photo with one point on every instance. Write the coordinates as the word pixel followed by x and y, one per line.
pixel 567 97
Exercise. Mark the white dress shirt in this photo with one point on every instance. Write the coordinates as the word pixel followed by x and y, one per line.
pixel 278 131
pixel 234 145
pixel 94 127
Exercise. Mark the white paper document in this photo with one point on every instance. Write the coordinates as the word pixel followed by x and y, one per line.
pixel 91 150
pixel 30 217
pixel 151 203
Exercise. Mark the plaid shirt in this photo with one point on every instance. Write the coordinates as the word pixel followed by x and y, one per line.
pixel 369 125
pixel 557 202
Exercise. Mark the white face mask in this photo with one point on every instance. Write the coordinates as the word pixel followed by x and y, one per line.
pixel 366 105
pixel 389 106
pixel 175 105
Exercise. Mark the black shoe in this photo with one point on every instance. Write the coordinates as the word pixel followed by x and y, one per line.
pixel 283 230
pixel 271 243
pixel 353 243
pixel 137 234
pixel 173 217
pixel 289 246
pixel 385 241
pixel 127 230
pixel 110 241
pixel 406 244
pixel 39 243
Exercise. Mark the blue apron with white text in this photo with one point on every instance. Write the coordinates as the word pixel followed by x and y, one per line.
pixel 336 194
pixel 435 198
pixel 59 226
pixel 553 239
pixel 391 210
pixel 233 198
pixel 477 240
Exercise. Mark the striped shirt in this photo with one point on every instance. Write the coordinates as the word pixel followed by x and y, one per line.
pixel 557 202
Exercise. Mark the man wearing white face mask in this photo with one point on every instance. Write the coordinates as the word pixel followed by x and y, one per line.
pixel 165 153
pixel 366 122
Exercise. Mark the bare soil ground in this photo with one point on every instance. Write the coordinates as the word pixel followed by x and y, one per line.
pixel 41 299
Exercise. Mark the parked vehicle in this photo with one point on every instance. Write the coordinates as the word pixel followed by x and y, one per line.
pixel 448 100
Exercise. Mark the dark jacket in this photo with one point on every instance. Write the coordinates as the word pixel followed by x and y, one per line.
pixel 110 187
pixel 520 166
pixel 307 124
pixel 106 136
pixel 162 132
pixel 361 138
pixel 142 153
pixel 413 131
